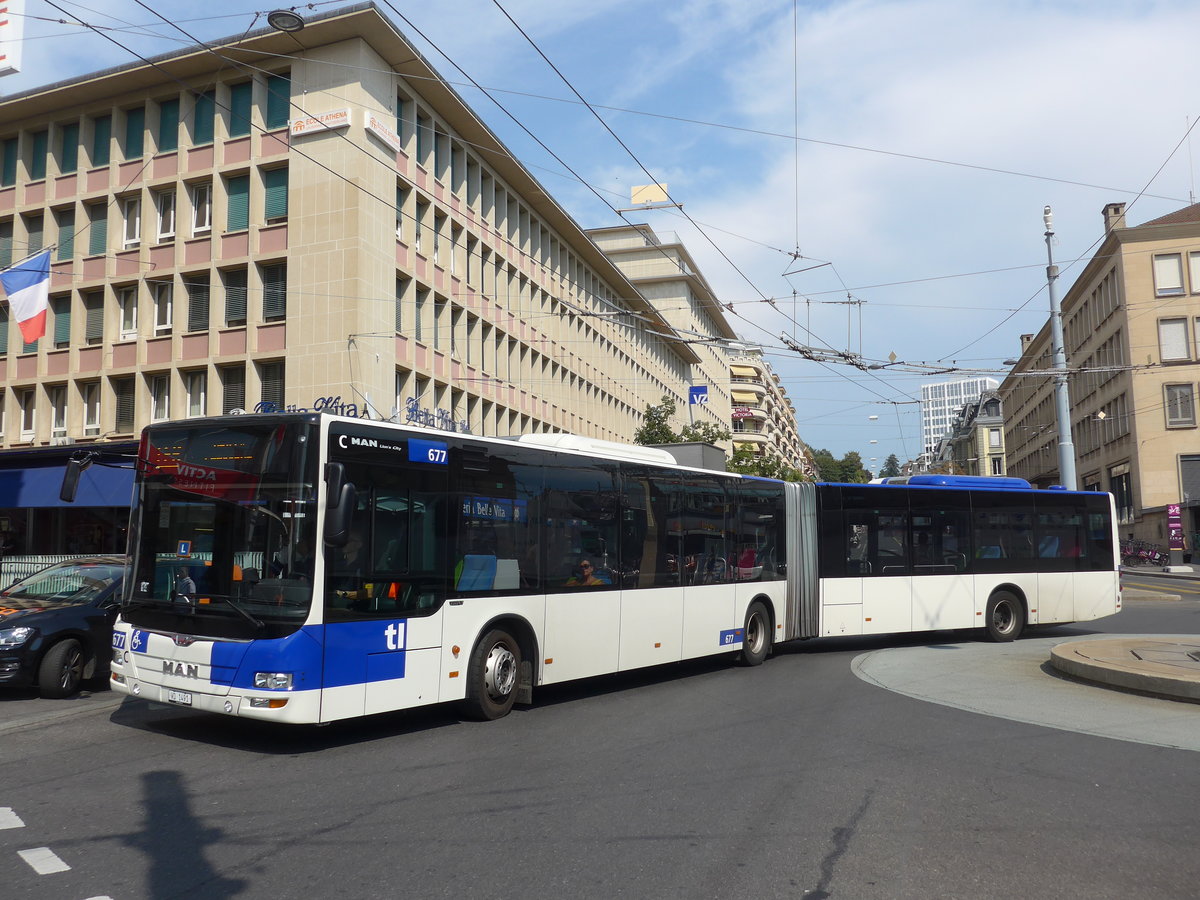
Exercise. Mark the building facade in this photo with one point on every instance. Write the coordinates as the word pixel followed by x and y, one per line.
pixel 1131 324
pixel 262 224
pixel 940 403
pixel 975 443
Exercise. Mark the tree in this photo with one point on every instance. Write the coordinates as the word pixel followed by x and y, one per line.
pixel 847 470
pixel 705 432
pixel 744 462
pixel 656 425
pixel 891 467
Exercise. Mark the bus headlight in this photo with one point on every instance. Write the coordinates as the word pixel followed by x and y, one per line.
pixel 15 637
pixel 273 681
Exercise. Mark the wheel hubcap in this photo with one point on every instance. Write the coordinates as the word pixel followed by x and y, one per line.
pixel 72 669
pixel 1002 618
pixel 500 672
pixel 754 633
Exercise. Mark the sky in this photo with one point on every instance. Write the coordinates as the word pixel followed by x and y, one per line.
pixel 899 153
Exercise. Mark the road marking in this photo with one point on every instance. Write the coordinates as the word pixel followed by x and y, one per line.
pixel 43 860
pixel 9 819
pixel 1160 587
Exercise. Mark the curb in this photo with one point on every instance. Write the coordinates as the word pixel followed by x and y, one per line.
pixel 1113 662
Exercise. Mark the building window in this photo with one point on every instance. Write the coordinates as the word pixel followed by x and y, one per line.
pixel 135 133
pixel 35 232
pixel 37 157
pixel 164 202
pixel 274 282
pixel 98 229
pixel 160 398
pixel 62 320
pixel 123 395
pixel 93 313
pixel 197 294
pixel 58 410
pixel 419 315
pixel 131 213
pixel 196 385
pixel 204 117
pixel 233 388
pixel 401 292
pixel 235 296
pixel 201 195
pixel 238 203
pixel 1180 406
pixel 240 96
pixel 25 403
pixel 68 148
pixel 1120 485
pixel 1173 340
pixel 275 182
pixel 997 465
pixel 127 299
pixel 6 243
pixel 101 140
pixel 164 293
pixel 271 379
pixel 279 100
pixel 994 437
pixel 168 125
pixel 90 392
pixel 419 225
pixel 66 233
pixel 1168 275
pixel 8 167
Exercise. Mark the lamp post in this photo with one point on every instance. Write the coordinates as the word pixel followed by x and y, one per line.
pixel 1062 403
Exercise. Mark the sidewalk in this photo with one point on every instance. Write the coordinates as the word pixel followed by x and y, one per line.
pixel 1165 667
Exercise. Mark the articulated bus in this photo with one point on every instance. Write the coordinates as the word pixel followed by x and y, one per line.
pixel 305 568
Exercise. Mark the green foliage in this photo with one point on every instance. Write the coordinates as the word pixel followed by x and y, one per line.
pixel 847 470
pixel 656 427
pixel 746 463
pixel 705 432
pixel 891 467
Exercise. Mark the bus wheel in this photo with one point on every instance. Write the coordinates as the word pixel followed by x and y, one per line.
pixel 1005 617
pixel 61 670
pixel 492 676
pixel 756 636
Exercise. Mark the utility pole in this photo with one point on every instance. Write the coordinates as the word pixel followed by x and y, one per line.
pixel 1062 403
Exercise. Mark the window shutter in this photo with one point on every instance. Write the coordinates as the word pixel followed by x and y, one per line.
pixel 35 226
pixel 135 133
pixel 240 96
pixel 1173 339
pixel 62 321
pixel 235 297
pixel 203 118
pixel 197 291
pixel 94 310
pixel 271 375
pixel 274 291
pixel 3 331
pixel 1168 274
pixel 279 100
pixel 276 181
pixel 233 389
pixel 101 140
pixel 123 389
pixel 37 161
pixel 98 237
pixel 8 176
pixel 168 125
pixel 69 155
pixel 6 244
pixel 238 203
pixel 66 234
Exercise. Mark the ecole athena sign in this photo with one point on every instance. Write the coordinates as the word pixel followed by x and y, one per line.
pixel 337 119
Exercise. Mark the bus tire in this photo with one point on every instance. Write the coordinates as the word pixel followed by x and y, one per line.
pixel 493 676
pixel 1005 617
pixel 61 670
pixel 756 636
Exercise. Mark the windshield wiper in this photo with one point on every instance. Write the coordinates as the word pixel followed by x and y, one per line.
pixel 253 620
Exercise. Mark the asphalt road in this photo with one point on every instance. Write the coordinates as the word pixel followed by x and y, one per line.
pixel 795 779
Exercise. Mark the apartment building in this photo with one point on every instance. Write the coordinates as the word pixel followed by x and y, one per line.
pixel 974 444
pixel 304 221
pixel 1131 324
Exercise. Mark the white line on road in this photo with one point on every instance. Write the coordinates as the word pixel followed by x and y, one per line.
pixel 9 819
pixel 43 860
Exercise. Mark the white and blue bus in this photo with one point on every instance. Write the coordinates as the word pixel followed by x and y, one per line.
pixel 305 568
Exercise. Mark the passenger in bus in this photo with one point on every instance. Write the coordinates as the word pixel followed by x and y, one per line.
pixel 290 562
pixel 346 571
pixel 185 587
pixel 585 576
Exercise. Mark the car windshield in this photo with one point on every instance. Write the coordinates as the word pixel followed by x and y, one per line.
pixel 224 534
pixel 66 582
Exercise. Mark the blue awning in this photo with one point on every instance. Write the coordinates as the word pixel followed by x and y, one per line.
pixel 38 486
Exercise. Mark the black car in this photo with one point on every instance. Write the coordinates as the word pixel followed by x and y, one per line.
pixel 56 625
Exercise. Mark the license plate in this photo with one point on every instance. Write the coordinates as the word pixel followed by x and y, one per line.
pixel 183 698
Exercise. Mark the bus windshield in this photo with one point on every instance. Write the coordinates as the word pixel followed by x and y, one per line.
pixel 226 529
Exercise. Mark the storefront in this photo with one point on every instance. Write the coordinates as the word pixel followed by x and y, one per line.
pixel 34 521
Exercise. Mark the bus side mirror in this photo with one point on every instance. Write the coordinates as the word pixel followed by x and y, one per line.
pixel 335 477
pixel 337 518
pixel 70 482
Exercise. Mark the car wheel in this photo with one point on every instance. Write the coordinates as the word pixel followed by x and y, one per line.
pixel 1005 617
pixel 493 676
pixel 756 636
pixel 61 671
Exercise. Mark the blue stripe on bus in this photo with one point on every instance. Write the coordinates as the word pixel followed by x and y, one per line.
pixel 354 653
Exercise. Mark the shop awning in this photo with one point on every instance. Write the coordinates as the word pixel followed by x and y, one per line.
pixel 38 486
pixel 745 398
pixel 744 371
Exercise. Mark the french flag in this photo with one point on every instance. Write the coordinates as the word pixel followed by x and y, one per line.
pixel 28 287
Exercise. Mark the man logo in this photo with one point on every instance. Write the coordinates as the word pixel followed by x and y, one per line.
pixel 183 670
